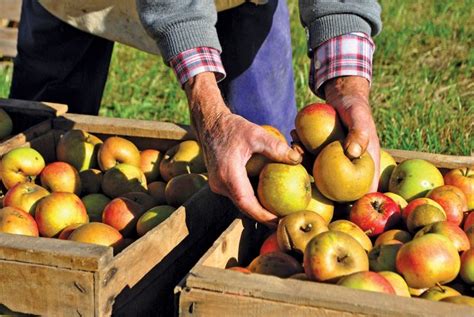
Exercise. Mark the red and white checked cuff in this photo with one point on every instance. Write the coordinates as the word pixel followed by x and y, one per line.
pixel 345 55
pixel 197 60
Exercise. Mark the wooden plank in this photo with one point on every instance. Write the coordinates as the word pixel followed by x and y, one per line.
pixel 49 109
pixel 25 137
pixel 8 40
pixel 308 294
pixel 124 127
pixel 10 9
pixel 439 160
pixel 45 290
pixel 54 252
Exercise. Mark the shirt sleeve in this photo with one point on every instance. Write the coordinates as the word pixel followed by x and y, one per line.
pixel 345 55
pixel 197 60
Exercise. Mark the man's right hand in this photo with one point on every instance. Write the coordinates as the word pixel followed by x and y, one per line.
pixel 228 141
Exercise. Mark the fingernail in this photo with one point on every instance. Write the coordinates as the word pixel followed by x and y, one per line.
pixel 294 156
pixel 354 150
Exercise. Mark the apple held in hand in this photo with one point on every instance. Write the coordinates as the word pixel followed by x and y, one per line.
pixel 24 196
pixel 414 178
pixel 453 201
pixel 16 221
pixel 57 211
pixel 340 178
pixel 117 150
pixel 333 254
pixel 61 177
pixel 284 189
pixel 428 260
pixel 20 165
pixel 375 213
pixel 463 178
pixel 317 125
pixel 368 281
pixel 78 148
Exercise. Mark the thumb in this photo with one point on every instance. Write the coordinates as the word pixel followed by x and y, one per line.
pixel 278 151
pixel 356 143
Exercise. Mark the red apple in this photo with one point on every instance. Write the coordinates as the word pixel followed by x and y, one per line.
pixel 20 165
pixel 375 213
pixel 117 150
pixel 417 202
pixel 24 196
pixel 57 211
pixel 122 214
pixel 270 244
pixel 239 269
pixel 16 221
pixel 467 266
pixel 428 260
pixel 451 231
pixel 150 160
pixel 61 177
pixel 66 232
pixel 333 254
pixel 463 178
pixel 453 201
pixel 368 281
pixel 469 221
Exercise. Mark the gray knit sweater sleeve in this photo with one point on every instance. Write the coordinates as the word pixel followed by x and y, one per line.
pixel 325 19
pixel 179 25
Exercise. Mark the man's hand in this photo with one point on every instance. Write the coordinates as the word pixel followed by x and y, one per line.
pixel 350 96
pixel 228 141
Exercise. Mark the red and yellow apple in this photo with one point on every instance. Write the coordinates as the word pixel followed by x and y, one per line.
pixel 20 165
pixel 463 178
pixel 61 177
pixel 150 160
pixel 16 221
pixel 367 281
pixel 117 150
pixel 24 196
pixel 450 230
pixel 122 214
pixel 183 158
pixel 453 201
pixel 97 233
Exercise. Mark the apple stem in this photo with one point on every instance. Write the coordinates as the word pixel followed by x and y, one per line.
pixel 307 228
pixel 341 259
pixel 188 169
pixel 367 232
pixel 376 204
pixel 441 288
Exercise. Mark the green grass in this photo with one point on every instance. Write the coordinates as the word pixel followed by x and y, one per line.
pixel 422 94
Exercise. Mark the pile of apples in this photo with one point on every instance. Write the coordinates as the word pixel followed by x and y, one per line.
pixel 103 192
pixel 413 237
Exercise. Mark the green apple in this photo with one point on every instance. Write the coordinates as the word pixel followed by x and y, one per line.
pixel 437 293
pixel 387 165
pixel 78 148
pixel 414 178
pixel 462 299
pixel 95 204
pixel 153 217
pixel 6 124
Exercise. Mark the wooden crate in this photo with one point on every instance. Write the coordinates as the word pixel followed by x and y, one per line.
pixel 52 277
pixel 9 19
pixel 209 290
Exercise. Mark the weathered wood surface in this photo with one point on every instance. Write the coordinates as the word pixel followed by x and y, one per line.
pixel 49 109
pixel 439 160
pixel 8 39
pixel 10 10
pixel 9 13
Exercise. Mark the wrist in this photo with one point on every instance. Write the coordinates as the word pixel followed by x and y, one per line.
pixel 337 90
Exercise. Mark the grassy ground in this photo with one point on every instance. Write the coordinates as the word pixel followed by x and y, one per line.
pixel 422 94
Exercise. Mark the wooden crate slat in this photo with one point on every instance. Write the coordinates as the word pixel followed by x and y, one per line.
pixel 439 160
pixel 49 109
pixel 10 10
pixel 8 39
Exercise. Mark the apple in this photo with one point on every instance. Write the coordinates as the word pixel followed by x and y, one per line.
pixel 463 178
pixel 66 232
pixel 78 148
pixel 320 204
pixel 183 158
pixel 470 235
pixel 387 165
pixel 382 257
pixel 257 161
pixel 91 179
pixel 393 234
pixel 182 187
pixel 450 230
pixel 284 189
pixel 6 124
pixel 295 230
pixel 57 211
pixel 153 217
pixel 353 230
pixel 16 221
pixel 123 178
pixel 416 292
pixel 402 203
pixel 117 150
pixel 270 244
pixel 122 214
pixel 428 260
pixel 414 178
pixel 97 233
pixel 467 266
pixel 397 282
pixel 375 213
pixel 275 263
pixel 424 215
pixel 437 293
pixel 367 281
pixel 340 178
pixel 453 201
pixel 24 196
pixel 144 199
pixel 150 160
pixel 417 202
pixel 462 299
pixel 20 165
pixel 95 204
pixel 240 269
pixel 333 254
pixel 61 177
pixel 469 221
pixel 317 125
pixel 157 191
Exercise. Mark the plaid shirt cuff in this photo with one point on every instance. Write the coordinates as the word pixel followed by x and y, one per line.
pixel 197 60
pixel 345 55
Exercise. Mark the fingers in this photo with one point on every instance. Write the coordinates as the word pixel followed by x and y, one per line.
pixel 276 150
